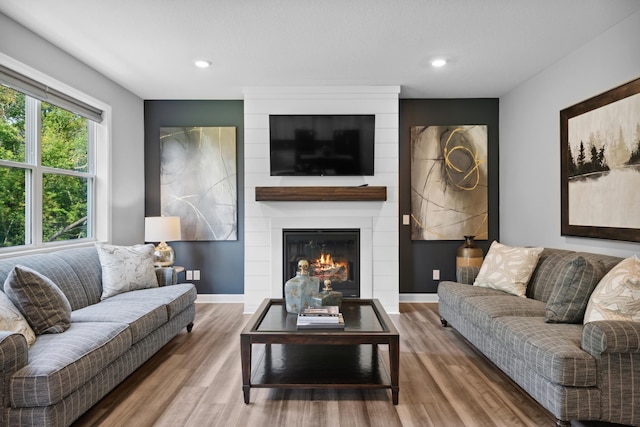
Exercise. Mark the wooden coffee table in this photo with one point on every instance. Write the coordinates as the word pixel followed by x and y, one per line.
pixel 319 358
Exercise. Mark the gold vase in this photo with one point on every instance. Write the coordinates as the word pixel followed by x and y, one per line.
pixel 469 254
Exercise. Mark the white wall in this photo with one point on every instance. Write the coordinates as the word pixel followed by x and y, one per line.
pixel 263 220
pixel 530 138
pixel 127 131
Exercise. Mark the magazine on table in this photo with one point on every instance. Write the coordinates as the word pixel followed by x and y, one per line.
pixel 320 317
pixel 324 310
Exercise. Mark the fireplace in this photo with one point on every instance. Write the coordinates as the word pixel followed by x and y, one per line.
pixel 333 254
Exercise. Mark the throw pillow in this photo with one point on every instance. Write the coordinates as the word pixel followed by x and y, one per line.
pixel 12 320
pixel 576 281
pixel 617 296
pixel 39 300
pixel 508 268
pixel 126 268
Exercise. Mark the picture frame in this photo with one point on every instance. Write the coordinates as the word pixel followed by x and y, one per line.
pixel 600 165
pixel 198 181
pixel 449 182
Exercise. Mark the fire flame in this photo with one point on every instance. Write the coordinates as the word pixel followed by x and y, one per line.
pixel 326 267
pixel 325 259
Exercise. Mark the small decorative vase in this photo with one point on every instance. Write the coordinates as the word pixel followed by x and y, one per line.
pixel 469 254
pixel 328 296
pixel 299 290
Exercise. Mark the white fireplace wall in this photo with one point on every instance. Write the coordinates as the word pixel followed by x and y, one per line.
pixel 378 221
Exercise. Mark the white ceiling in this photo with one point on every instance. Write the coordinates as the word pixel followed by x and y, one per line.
pixel 148 46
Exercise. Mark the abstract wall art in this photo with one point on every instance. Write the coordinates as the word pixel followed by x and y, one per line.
pixel 449 197
pixel 198 181
pixel 600 165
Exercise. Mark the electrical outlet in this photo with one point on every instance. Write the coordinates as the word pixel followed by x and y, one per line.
pixel 189 275
pixel 436 274
pixel 196 274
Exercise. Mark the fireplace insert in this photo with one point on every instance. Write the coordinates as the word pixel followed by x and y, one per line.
pixel 333 254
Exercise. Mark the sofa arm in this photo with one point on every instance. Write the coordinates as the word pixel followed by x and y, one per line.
pixel 13 356
pixel 611 336
pixel 166 276
pixel 467 274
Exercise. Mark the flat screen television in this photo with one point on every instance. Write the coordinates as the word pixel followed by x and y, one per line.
pixel 318 145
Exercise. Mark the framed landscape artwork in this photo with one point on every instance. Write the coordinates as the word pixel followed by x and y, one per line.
pixel 449 198
pixel 600 169
pixel 198 181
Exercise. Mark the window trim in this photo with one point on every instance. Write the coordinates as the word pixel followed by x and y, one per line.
pixel 101 214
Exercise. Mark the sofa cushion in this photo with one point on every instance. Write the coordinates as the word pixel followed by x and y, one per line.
pixel 175 297
pixel 86 286
pixel 482 310
pixel 59 364
pixel 508 268
pixel 40 301
pixel 58 270
pixel 575 282
pixel 12 320
pixel 142 315
pixel 454 293
pixel 552 350
pixel 543 279
pixel 617 296
pixel 126 268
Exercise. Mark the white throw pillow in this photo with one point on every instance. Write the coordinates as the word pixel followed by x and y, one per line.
pixel 617 296
pixel 12 320
pixel 126 268
pixel 507 268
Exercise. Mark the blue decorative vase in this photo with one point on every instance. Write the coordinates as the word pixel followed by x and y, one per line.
pixel 300 290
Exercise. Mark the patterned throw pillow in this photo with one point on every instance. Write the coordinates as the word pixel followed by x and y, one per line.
pixel 39 300
pixel 617 296
pixel 576 281
pixel 12 320
pixel 126 268
pixel 507 268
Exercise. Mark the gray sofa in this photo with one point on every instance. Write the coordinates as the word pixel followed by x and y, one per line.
pixel 576 371
pixel 62 375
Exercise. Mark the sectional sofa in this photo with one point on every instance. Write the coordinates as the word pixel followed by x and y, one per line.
pixel 95 341
pixel 553 340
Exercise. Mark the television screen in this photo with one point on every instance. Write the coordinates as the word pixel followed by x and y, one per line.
pixel 321 144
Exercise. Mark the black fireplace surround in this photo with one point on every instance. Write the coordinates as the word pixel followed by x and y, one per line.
pixel 333 254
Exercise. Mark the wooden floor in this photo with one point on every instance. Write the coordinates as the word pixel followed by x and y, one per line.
pixel 195 380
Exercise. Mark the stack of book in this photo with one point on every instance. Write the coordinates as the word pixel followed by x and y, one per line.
pixel 326 317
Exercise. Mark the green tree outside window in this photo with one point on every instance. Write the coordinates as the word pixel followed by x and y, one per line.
pixel 63 172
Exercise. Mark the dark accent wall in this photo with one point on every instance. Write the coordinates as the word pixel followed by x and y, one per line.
pixel 221 263
pixel 418 259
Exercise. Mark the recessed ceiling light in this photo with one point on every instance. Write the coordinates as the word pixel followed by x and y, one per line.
pixel 439 62
pixel 202 63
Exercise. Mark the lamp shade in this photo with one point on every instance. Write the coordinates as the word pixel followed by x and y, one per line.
pixel 161 228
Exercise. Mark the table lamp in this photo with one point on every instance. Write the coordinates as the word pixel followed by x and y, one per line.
pixel 162 229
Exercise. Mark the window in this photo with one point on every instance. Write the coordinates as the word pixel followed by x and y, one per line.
pixel 47 171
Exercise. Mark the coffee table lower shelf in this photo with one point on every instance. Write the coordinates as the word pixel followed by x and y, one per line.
pixel 319 366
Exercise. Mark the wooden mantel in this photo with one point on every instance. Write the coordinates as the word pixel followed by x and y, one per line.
pixel 321 194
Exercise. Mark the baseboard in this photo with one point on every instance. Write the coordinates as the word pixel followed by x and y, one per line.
pixel 239 298
pixel 418 298
pixel 219 298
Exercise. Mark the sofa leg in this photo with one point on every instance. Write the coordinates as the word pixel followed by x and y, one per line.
pixel 444 322
pixel 190 327
pixel 562 423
